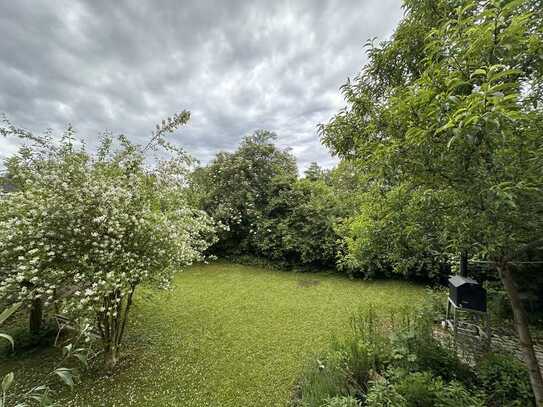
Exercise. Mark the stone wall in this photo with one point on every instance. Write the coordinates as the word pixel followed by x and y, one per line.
pixel 502 339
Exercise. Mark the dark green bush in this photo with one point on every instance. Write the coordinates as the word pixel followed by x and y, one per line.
pixel 297 225
pixel 431 356
pixel 505 381
pixel 455 394
pixel 422 389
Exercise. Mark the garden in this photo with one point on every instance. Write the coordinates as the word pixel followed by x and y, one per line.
pixel 131 274
pixel 225 335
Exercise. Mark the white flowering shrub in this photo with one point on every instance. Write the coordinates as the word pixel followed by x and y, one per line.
pixel 82 231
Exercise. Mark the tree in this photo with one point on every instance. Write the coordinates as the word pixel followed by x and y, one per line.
pixel 448 113
pixel 238 187
pixel 83 231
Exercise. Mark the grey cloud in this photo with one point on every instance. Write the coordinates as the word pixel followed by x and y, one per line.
pixel 236 65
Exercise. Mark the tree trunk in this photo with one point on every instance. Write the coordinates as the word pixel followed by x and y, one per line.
pixel 521 325
pixel 112 358
pixel 36 312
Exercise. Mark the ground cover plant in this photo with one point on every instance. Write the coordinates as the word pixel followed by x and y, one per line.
pixel 225 335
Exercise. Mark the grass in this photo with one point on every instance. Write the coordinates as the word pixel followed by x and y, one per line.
pixel 226 335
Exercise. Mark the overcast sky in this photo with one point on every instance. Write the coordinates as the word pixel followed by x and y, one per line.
pixel 236 65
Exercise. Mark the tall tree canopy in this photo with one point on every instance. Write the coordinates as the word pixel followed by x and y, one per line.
pixel 237 187
pixel 445 124
pixel 266 210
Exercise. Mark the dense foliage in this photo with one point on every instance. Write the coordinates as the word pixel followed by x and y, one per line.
pixel 266 210
pixel 444 123
pixel 447 134
pixel 236 187
pixel 393 360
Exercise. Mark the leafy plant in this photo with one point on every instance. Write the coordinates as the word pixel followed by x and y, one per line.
pixel 43 393
pixel 505 381
pixel 391 359
pixel 419 389
pixel 383 394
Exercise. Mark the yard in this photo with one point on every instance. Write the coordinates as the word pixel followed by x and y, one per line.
pixel 226 335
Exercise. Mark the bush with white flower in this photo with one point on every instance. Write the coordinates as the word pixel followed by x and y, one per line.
pixel 82 231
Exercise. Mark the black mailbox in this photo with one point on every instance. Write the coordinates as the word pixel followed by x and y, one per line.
pixel 467 293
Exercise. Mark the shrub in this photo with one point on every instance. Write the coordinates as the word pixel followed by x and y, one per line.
pixel 414 347
pixel 455 394
pixel 505 381
pixel 443 362
pixel 82 231
pixel 297 225
pixel 422 389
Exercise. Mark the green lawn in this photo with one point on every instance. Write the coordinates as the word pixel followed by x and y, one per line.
pixel 226 335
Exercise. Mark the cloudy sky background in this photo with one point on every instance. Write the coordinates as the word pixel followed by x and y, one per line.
pixel 237 66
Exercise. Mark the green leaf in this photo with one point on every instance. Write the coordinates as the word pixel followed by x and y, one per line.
pixel 471 119
pixel 452 140
pixel 502 74
pixel 67 350
pixel 6 383
pixel 66 375
pixel 478 72
pixel 445 127
pixel 8 338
